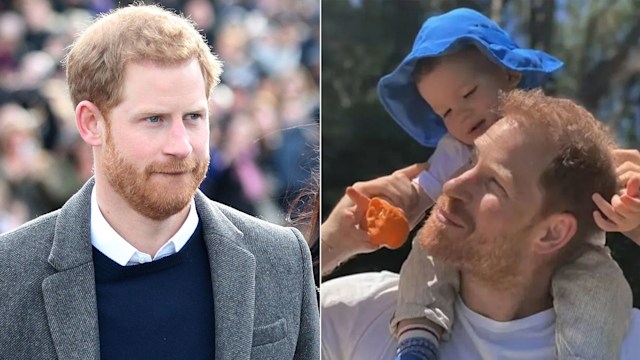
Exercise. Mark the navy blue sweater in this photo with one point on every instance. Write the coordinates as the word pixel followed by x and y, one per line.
pixel 158 310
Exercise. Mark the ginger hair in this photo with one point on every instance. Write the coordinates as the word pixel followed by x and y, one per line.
pixel 581 163
pixel 96 61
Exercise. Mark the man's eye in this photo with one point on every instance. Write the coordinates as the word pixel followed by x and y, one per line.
pixel 498 186
pixel 194 116
pixel 153 119
pixel 471 92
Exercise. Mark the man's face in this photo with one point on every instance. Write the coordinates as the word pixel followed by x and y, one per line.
pixel 156 149
pixel 463 89
pixel 486 218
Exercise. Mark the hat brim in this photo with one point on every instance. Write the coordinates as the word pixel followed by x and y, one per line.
pixel 400 97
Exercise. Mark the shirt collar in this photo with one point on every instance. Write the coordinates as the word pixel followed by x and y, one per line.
pixel 115 247
pixel 535 322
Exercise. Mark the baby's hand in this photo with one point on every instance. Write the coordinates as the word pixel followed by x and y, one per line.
pixel 385 224
pixel 627 165
pixel 622 213
pixel 342 230
pixel 399 190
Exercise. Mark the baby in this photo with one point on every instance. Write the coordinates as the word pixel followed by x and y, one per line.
pixel 445 93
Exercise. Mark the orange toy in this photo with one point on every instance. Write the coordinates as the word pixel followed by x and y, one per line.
pixel 385 224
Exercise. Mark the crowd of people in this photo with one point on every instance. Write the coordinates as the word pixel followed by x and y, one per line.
pixel 264 115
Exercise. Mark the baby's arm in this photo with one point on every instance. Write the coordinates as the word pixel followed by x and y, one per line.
pixel 341 234
pixel 381 219
pixel 447 160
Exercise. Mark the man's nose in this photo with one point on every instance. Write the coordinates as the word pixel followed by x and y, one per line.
pixel 177 143
pixel 461 187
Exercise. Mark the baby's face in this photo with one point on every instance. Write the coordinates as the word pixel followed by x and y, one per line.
pixel 463 89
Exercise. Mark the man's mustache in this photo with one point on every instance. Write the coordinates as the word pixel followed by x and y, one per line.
pixel 455 208
pixel 173 166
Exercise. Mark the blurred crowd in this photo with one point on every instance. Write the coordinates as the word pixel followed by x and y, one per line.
pixel 264 114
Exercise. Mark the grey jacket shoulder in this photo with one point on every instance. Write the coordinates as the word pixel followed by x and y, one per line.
pixel 27 247
pixel 24 254
pixel 281 253
pixel 257 231
pixel 43 224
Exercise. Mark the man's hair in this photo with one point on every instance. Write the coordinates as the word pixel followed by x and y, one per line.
pixel 96 61
pixel 582 162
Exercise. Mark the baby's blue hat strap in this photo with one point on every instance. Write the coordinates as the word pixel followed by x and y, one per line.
pixel 448 33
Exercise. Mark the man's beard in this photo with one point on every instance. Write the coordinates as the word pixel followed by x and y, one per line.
pixel 149 197
pixel 494 260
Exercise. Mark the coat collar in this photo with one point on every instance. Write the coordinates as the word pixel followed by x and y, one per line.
pixel 70 294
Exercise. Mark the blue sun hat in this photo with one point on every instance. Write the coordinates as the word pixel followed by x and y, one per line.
pixel 448 33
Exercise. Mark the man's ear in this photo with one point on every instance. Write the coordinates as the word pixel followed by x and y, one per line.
pixel 513 79
pixel 556 231
pixel 90 123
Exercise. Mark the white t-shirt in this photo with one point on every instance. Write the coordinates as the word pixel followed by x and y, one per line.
pixel 449 156
pixel 356 311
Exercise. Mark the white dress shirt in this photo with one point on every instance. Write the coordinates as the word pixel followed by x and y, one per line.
pixel 116 248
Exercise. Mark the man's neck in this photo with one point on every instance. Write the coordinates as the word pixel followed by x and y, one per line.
pixel 145 234
pixel 530 295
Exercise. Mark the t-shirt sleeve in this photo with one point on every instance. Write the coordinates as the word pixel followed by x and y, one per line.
pixel 450 155
pixel 630 345
pixel 356 310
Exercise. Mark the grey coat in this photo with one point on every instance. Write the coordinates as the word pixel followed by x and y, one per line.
pixel 264 295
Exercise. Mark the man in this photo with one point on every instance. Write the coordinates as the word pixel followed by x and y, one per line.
pixel 520 212
pixel 139 264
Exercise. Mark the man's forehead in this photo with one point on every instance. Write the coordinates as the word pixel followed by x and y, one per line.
pixel 499 139
pixel 514 149
pixel 511 136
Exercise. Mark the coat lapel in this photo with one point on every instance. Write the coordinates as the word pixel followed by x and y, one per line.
pixel 69 294
pixel 233 276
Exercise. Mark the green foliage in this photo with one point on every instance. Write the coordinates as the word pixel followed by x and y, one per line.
pixel 359 45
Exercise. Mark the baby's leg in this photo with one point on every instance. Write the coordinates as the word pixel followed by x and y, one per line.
pixel 427 290
pixel 593 305
pixel 424 311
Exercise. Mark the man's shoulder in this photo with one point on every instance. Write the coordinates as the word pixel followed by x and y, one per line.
pixel 631 346
pixel 248 223
pixel 33 234
pixel 361 287
pixel 355 316
pixel 260 232
pixel 24 252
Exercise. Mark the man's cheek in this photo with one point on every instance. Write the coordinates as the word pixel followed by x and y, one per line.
pixel 490 211
pixel 491 204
